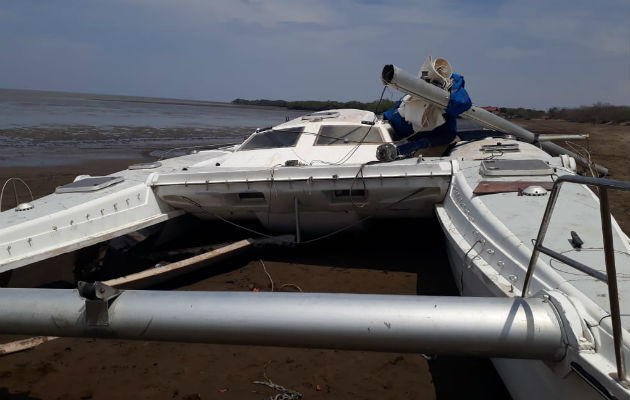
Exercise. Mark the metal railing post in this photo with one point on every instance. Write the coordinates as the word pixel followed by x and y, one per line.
pixel 613 294
pixel 541 236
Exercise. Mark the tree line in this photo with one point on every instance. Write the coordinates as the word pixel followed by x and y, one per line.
pixel 598 113
pixel 317 105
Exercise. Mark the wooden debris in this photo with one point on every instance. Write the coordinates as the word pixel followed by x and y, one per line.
pixel 141 279
pixel 24 344
pixel 163 273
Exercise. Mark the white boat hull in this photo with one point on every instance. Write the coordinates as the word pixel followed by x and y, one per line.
pixel 488 239
pixel 524 379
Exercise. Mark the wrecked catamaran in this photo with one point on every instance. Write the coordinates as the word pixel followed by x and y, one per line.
pixel 555 331
pixel 313 173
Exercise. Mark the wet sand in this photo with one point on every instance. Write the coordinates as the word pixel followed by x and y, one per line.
pixel 407 258
pixel 383 262
pixel 104 369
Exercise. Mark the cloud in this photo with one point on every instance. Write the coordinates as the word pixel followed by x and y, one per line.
pixel 265 13
pixel 536 53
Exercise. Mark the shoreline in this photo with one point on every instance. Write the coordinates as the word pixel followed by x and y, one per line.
pixel 131 99
pixel 230 104
pixel 608 145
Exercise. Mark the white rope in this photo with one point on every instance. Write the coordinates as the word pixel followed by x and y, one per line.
pixel 586 155
pixel 293 285
pixel 285 394
pixel 268 276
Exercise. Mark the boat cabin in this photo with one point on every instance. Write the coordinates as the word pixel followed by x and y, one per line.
pixel 320 138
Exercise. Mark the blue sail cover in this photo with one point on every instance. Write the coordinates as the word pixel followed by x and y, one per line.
pixel 402 128
pixel 458 101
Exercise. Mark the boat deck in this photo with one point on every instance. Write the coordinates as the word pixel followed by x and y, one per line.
pixel 509 222
pixel 66 221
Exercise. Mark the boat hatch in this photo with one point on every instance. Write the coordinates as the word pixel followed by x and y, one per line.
pixel 515 167
pixel 91 184
pixel 316 116
pixel 148 165
pixel 344 134
pixel 273 138
pixel 500 147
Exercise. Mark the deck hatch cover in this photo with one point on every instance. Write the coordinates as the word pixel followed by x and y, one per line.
pixel 148 165
pixel 320 115
pixel 500 148
pixel 89 184
pixel 515 168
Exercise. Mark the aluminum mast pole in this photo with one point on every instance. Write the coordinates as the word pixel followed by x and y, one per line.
pixel 488 327
pixel 411 85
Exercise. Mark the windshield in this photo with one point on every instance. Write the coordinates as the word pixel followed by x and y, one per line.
pixel 273 138
pixel 344 134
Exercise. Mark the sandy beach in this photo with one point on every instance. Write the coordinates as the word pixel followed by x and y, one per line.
pixel 405 259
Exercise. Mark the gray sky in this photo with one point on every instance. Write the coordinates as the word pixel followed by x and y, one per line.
pixel 530 53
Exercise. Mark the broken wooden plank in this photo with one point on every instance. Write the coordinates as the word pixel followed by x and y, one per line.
pixel 142 279
pixel 24 344
pixel 160 274
pixel 186 252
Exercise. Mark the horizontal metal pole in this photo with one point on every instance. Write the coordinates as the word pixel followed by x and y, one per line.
pixel 575 264
pixel 562 136
pixel 600 182
pixel 556 150
pixel 489 327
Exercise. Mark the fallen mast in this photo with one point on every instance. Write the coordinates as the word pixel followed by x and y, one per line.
pixel 405 82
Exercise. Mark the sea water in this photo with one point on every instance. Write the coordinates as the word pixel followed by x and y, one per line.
pixel 48 128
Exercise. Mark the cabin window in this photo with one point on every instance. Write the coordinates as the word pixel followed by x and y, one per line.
pixel 348 134
pixel 273 138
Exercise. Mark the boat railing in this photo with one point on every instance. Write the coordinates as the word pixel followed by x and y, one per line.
pixel 15 191
pixel 611 274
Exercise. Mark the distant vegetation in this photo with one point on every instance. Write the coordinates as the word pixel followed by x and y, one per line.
pixel 525 113
pixel 598 113
pixel 314 105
